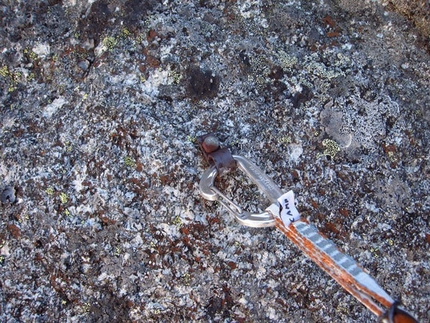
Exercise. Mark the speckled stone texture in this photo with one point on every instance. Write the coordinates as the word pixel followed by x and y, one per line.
pixel 101 102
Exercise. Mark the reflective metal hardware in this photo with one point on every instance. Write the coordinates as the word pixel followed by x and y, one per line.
pixel 307 237
pixel 396 315
pixel 258 177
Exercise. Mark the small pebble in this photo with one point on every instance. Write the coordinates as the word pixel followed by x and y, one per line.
pixel 84 65
pixel 8 195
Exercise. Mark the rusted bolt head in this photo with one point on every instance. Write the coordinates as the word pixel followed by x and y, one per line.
pixel 210 144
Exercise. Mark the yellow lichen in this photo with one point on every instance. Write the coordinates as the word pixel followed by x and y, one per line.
pixel 176 76
pixel 332 148
pixel 285 140
pixel 11 77
pixel 192 139
pixel 177 221
pixel 49 191
pixel 125 33
pixel 129 162
pixel 30 54
pixel 63 198
pixel 4 71
pixel 110 42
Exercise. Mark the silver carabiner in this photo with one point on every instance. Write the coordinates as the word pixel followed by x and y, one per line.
pixel 303 234
pixel 258 177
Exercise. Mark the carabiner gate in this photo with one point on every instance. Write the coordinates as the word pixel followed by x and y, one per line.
pixel 210 192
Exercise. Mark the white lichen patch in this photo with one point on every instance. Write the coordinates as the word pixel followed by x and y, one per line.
pixel 7 123
pixel 157 78
pixel 287 61
pixel 42 50
pixel 5 251
pixel 53 107
pixel 294 152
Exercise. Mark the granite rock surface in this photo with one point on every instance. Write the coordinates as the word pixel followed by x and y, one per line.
pixel 101 103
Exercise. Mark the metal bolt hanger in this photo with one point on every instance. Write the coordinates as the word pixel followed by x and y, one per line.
pixel 283 214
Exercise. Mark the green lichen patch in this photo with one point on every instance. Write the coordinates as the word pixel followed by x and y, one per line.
pixel 331 148
pixel 129 162
pixel 10 77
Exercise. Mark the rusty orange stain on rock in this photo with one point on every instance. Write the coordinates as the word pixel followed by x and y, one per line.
pixel 329 21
